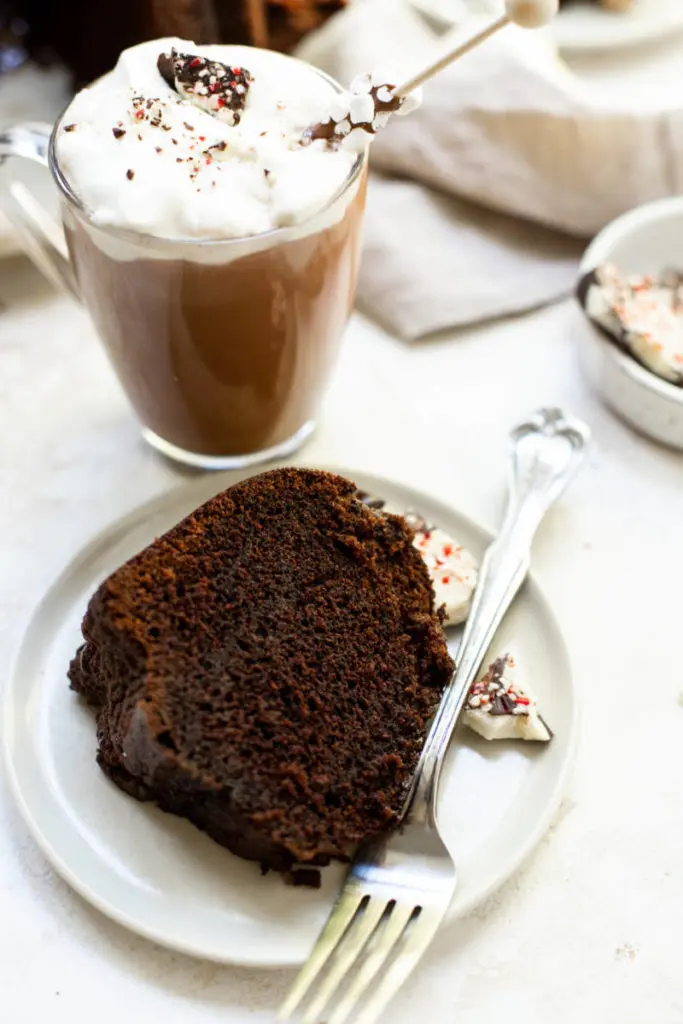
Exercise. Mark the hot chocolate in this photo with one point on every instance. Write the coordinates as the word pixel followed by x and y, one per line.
pixel 224 358
pixel 214 245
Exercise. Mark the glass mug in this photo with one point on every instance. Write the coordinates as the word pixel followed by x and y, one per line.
pixel 222 347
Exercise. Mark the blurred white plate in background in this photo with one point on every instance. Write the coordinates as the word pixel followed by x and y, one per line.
pixel 582 27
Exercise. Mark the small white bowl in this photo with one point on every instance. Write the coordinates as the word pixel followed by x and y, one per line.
pixel 644 241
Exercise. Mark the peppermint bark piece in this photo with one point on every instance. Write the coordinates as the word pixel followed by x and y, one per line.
pixel 498 708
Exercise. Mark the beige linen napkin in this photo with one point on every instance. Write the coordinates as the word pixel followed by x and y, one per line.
pixel 432 261
pixel 510 128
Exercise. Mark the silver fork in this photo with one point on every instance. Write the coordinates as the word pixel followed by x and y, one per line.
pixel 399 886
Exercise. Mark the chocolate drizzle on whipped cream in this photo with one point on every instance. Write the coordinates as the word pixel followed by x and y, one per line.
pixel 358 114
pixel 218 89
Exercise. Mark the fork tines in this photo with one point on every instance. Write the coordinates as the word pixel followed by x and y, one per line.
pixel 365 934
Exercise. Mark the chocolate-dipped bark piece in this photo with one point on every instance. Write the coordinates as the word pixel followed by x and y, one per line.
pixel 498 708
pixel 356 115
pixel 642 313
pixel 218 89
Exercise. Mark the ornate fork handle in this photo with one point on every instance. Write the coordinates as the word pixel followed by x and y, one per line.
pixel 546 452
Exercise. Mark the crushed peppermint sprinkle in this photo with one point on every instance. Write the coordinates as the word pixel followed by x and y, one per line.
pixel 643 314
pixel 216 149
pixel 281 183
pixel 500 696
pixel 498 708
pixel 212 86
pixel 452 569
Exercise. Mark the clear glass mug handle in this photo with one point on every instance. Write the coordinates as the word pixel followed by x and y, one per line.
pixel 42 238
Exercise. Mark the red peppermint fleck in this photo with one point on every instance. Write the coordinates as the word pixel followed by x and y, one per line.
pixel 445 580
pixel 195 62
pixel 202 138
pixel 447 550
pixel 139 114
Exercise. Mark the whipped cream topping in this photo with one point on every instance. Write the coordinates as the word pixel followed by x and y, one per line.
pixel 145 155
pixel 643 313
pixel 498 708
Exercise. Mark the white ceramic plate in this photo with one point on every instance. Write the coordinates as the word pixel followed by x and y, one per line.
pixel 158 875
pixel 581 27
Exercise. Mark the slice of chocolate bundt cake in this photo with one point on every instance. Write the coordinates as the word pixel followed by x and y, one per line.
pixel 268 669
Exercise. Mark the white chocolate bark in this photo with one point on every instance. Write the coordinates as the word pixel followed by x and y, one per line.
pixel 498 708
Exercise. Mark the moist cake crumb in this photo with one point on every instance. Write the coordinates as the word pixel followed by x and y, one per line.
pixel 268 670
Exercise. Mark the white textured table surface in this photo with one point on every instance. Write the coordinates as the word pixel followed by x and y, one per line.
pixel 589 930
